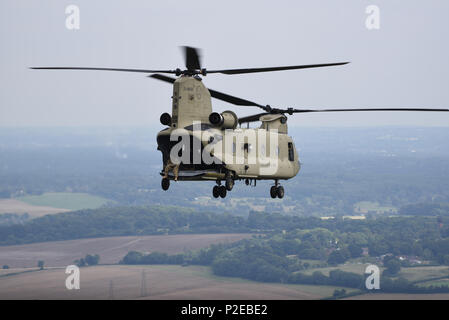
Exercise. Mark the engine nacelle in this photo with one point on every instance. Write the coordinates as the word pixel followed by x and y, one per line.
pixel 225 120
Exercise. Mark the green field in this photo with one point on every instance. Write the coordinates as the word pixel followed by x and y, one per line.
pixel 412 274
pixel 66 200
pixel 423 273
pixel 350 267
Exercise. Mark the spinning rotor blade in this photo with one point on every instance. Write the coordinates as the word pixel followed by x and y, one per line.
pixel 269 69
pixel 162 78
pixel 215 94
pixel 291 111
pixel 192 58
pixel 104 69
pixel 233 100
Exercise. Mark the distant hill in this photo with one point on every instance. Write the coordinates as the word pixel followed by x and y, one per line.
pixel 120 221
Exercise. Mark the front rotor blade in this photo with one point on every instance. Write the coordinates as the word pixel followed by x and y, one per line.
pixel 234 100
pixel 369 109
pixel 269 69
pixel 104 69
pixel 215 94
pixel 162 78
pixel 192 58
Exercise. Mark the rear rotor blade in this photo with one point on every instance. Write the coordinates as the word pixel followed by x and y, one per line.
pixel 269 69
pixel 368 109
pixel 252 118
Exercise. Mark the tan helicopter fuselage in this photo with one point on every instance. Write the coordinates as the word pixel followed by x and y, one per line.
pixel 239 149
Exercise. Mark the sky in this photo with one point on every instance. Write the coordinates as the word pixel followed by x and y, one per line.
pixel 404 63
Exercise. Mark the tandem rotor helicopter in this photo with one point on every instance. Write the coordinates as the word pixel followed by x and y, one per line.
pixel 213 132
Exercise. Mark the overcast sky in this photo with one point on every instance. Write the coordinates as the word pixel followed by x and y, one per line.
pixel 403 64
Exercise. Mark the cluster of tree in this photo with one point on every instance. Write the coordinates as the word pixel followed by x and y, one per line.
pixel 392 265
pixel 258 260
pixel 120 221
pixel 8 219
pixel 425 209
pixel 339 293
pixel 88 260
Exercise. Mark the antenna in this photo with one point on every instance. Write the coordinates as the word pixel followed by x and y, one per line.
pixel 143 287
pixel 111 290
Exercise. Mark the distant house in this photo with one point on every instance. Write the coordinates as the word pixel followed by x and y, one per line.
pixel 361 217
pixel 365 252
pixel 415 261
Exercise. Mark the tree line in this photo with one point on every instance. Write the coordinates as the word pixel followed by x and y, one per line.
pixel 334 241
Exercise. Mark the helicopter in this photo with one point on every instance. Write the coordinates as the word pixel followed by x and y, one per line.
pixel 198 144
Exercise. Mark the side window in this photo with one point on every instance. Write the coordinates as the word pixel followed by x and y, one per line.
pixel 291 153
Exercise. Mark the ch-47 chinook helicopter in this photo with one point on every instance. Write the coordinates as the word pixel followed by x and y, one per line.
pixel 220 137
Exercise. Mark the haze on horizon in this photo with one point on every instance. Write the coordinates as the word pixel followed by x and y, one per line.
pixel 403 64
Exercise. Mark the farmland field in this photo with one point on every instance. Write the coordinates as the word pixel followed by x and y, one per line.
pixel 111 249
pixel 66 200
pixel 422 273
pixel 161 282
pixel 20 207
pixel 350 267
pixel 412 274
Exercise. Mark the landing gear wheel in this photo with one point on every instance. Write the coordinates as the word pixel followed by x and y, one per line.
pixel 215 192
pixel 222 191
pixel 229 183
pixel 273 192
pixel 165 184
pixel 280 192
